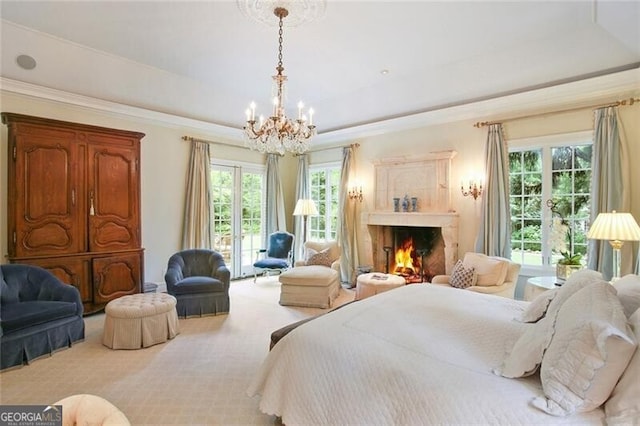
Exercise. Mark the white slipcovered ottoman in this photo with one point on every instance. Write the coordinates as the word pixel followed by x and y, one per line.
pixel 311 286
pixel 376 282
pixel 85 409
pixel 140 320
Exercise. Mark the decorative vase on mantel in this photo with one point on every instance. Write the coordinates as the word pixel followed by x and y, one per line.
pixel 564 271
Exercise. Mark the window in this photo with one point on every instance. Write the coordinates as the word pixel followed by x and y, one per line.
pixel 547 181
pixel 324 185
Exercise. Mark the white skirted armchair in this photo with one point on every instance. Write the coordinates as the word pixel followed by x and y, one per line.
pixel 483 274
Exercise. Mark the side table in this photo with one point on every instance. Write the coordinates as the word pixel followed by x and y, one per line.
pixel 376 282
pixel 538 285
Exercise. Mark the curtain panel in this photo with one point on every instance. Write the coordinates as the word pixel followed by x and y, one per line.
pixel 494 235
pixel 609 187
pixel 302 192
pixel 347 226
pixel 196 228
pixel 275 215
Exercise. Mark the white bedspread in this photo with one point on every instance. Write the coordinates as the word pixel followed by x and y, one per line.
pixel 419 354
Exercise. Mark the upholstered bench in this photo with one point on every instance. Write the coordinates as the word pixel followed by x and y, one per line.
pixel 140 320
pixel 312 286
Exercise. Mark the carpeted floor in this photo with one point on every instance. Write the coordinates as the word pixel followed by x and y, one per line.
pixel 200 377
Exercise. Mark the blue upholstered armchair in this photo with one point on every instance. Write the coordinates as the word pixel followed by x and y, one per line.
pixel 199 280
pixel 39 314
pixel 278 256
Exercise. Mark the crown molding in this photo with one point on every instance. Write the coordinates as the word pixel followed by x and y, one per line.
pixel 41 92
pixel 576 93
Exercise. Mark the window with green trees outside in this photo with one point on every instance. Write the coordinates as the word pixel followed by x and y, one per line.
pixel 324 185
pixel 550 202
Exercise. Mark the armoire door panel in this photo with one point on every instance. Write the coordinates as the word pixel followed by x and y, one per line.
pixel 116 276
pixel 46 210
pixel 74 271
pixel 114 199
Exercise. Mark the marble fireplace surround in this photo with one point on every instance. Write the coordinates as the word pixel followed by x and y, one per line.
pixel 426 177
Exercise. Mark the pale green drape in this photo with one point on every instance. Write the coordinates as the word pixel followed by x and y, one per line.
pixel 196 228
pixel 302 192
pixel 275 219
pixel 609 187
pixel 347 237
pixel 494 235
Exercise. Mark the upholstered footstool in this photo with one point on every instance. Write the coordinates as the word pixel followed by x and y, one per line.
pixel 85 409
pixel 140 320
pixel 311 286
pixel 376 282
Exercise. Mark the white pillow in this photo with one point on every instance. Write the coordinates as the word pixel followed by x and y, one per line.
pixel 623 406
pixel 526 354
pixel 589 350
pixel 538 306
pixel 489 271
pixel 628 288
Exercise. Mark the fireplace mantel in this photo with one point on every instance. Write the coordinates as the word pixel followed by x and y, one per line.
pixel 440 220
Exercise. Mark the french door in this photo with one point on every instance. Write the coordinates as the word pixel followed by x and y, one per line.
pixel 237 215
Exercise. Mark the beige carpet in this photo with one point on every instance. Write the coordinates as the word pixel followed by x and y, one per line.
pixel 200 377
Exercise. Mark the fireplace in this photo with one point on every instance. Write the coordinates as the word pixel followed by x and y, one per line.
pixel 417 253
pixel 432 227
pixel 435 233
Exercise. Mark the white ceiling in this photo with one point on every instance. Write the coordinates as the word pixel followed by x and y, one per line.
pixel 206 61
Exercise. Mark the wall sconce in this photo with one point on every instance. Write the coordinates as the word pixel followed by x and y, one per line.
pixel 355 193
pixel 473 189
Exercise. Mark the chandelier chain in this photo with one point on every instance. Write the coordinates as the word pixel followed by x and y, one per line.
pixel 280 67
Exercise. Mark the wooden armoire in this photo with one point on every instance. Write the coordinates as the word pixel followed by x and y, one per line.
pixel 74 205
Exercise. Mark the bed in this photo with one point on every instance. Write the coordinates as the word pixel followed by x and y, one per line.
pixel 419 354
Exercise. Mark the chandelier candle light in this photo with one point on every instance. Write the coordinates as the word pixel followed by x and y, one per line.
pixel 278 133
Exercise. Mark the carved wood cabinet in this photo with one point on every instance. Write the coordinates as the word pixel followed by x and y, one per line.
pixel 74 205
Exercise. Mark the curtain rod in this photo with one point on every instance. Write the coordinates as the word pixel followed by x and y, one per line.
pixel 353 145
pixel 192 139
pixel 624 102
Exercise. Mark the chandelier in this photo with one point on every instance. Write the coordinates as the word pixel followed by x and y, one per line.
pixel 279 133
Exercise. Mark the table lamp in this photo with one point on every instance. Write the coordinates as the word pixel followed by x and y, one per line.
pixel 305 208
pixel 616 228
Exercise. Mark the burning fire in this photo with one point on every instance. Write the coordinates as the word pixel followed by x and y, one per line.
pixel 404 262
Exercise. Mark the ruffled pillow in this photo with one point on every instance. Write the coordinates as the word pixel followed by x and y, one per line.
pixel 461 276
pixel 538 306
pixel 590 349
pixel 319 257
pixel 628 288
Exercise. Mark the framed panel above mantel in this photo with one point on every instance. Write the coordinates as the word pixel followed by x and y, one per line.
pixel 426 177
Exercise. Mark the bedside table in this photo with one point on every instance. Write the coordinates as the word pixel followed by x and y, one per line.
pixel 538 285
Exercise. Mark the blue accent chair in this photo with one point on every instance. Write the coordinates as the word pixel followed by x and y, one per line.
pixel 199 280
pixel 39 314
pixel 277 257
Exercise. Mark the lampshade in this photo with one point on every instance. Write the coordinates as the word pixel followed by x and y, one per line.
pixel 614 226
pixel 305 207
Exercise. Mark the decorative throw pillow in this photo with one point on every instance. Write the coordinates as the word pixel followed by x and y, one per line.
pixel 538 306
pixel 590 349
pixel 490 271
pixel 319 257
pixel 462 277
pixel 628 288
pixel 623 406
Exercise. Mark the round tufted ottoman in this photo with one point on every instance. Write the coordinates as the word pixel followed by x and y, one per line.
pixel 140 320
pixel 85 409
pixel 376 282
